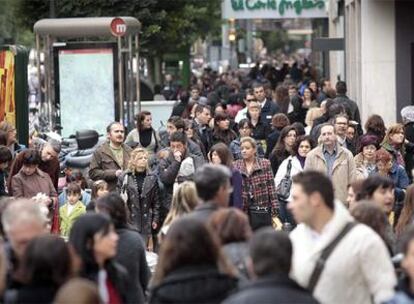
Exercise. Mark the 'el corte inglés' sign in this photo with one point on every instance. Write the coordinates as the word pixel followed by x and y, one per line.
pixel 273 9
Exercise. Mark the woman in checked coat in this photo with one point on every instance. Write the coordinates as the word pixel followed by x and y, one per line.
pixel 258 187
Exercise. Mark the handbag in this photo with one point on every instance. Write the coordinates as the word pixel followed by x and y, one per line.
pixel 283 189
pixel 124 192
pixel 259 216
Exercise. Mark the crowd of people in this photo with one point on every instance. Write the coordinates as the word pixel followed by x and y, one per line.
pixel 265 187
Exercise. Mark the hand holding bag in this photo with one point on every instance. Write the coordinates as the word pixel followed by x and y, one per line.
pixel 283 189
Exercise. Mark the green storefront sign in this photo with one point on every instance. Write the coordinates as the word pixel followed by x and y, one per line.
pixel 249 9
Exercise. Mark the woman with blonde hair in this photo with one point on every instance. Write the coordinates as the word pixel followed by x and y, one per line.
pixel 184 200
pixel 138 187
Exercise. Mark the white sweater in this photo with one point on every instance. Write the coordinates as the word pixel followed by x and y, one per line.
pixel 358 268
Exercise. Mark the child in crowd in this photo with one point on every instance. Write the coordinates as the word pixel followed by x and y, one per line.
pixel 71 210
pixel 99 189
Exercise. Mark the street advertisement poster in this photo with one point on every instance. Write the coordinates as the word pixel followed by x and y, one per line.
pixel 7 85
pixel 85 89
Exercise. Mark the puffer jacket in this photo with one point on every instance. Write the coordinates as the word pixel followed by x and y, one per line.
pixel 143 209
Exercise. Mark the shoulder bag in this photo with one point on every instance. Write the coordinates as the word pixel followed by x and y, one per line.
pixel 320 263
pixel 283 189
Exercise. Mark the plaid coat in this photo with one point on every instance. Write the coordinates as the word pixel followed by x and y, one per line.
pixel 260 183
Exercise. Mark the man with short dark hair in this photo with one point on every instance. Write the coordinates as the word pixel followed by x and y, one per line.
pixel 350 105
pixel 332 159
pixel 177 124
pixel 269 265
pixel 180 165
pixel 111 158
pixel 356 268
pixel 269 108
pixel 202 118
pixel 248 97
pixel 213 188
pixel 341 123
pixel 325 88
pixel 195 96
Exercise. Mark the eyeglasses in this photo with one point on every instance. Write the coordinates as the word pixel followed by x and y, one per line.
pixel 250 100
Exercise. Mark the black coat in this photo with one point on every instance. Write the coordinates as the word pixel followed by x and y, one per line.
pixel 203 284
pixel 131 255
pixel 145 208
pixel 30 294
pixel 275 289
pixel 409 149
pixel 203 211
pixel 118 276
pixel 271 141
pixel 269 109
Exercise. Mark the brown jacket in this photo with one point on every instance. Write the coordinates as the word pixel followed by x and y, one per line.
pixel 104 165
pixel 51 167
pixel 343 172
pixel 28 186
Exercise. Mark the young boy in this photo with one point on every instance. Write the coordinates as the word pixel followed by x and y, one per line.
pixel 71 210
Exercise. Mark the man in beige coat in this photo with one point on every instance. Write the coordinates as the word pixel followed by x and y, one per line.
pixel 332 159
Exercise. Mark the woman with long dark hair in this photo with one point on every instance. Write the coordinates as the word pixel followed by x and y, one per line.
pixel 222 132
pixel 144 134
pixel 375 126
pixel 291 166
pixel 283 147
pixel 220 155
pixel 94 241
pixel 191 267
pixel 131 248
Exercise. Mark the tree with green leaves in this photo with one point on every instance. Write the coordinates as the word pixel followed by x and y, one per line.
pixel 168 26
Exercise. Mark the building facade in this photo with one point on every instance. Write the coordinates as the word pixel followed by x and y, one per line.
pixel 378 60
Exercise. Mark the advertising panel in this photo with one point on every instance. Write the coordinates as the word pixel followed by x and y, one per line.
pixel 85 90
pixel 7 87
